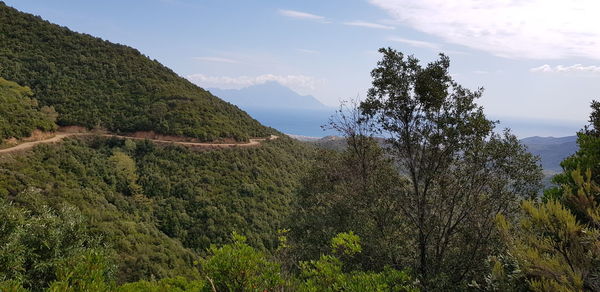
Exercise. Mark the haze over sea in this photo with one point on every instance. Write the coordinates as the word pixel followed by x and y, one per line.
pixel 309 123
pixel 280 107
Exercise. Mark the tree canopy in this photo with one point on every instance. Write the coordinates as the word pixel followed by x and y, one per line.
pixel 20 113
pixel 430 202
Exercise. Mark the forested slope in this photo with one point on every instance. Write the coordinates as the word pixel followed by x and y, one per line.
pixel 95 83
pixel 158 208
pixel 153 209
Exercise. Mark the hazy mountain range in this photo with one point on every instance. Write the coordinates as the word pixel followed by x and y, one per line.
pixel 279 107
pixel 269 95
pixel 551 150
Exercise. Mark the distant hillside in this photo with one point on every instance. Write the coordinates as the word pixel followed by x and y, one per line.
pixel 551 150
pixel 95 83
pixel 279 107
pixel 268 95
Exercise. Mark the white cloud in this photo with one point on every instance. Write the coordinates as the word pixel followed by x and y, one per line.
pixel 415 43
pixel 368 24
pixel 216 59
pixel 296 82
pixel 302 15
pixel 577 68
pixel 532 29
pixel 307 51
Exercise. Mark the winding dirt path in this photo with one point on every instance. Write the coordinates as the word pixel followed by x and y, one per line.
pixel 59 136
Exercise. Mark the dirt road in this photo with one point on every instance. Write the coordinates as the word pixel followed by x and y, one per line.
pixel 62 135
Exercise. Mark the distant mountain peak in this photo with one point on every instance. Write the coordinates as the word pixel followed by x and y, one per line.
pixel 270 84
pixel 268 95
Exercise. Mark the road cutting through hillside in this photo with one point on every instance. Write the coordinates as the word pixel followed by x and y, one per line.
pixel 59 136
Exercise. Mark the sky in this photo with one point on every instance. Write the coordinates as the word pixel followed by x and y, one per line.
pixel 538 60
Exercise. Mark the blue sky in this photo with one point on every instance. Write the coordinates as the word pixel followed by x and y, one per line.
pixel 537 60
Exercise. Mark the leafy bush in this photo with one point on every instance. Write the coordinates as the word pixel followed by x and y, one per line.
pixel 239 267
pixel 177 284
pixel 327 273
pixel 555 246
pixel 37 245
pixel 87 271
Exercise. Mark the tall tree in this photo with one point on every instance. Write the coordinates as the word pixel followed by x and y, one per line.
pixel 461 173
pixel 351 190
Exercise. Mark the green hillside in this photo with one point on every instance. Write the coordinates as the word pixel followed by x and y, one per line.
pixel 159 208
pixel 95 83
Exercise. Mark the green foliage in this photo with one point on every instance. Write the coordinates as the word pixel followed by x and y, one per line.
pixel 88 271
pixel 233 267
pixel 20 114
pixel 351 190
pixel 460 172
pixel 429 198
pixel 74 173
pixel 555 246
pixel 323 273
pixel 586 157
pixel 239 267
pixel 126 172
pixel 95 83
pixel 327 273
pixel 177 284
pixel 37 245
pixel 593 129
pixel 554 250
pixel 200 198
pixel 505 275
pixel 346 244
pixel 187 199
pixel 12 286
